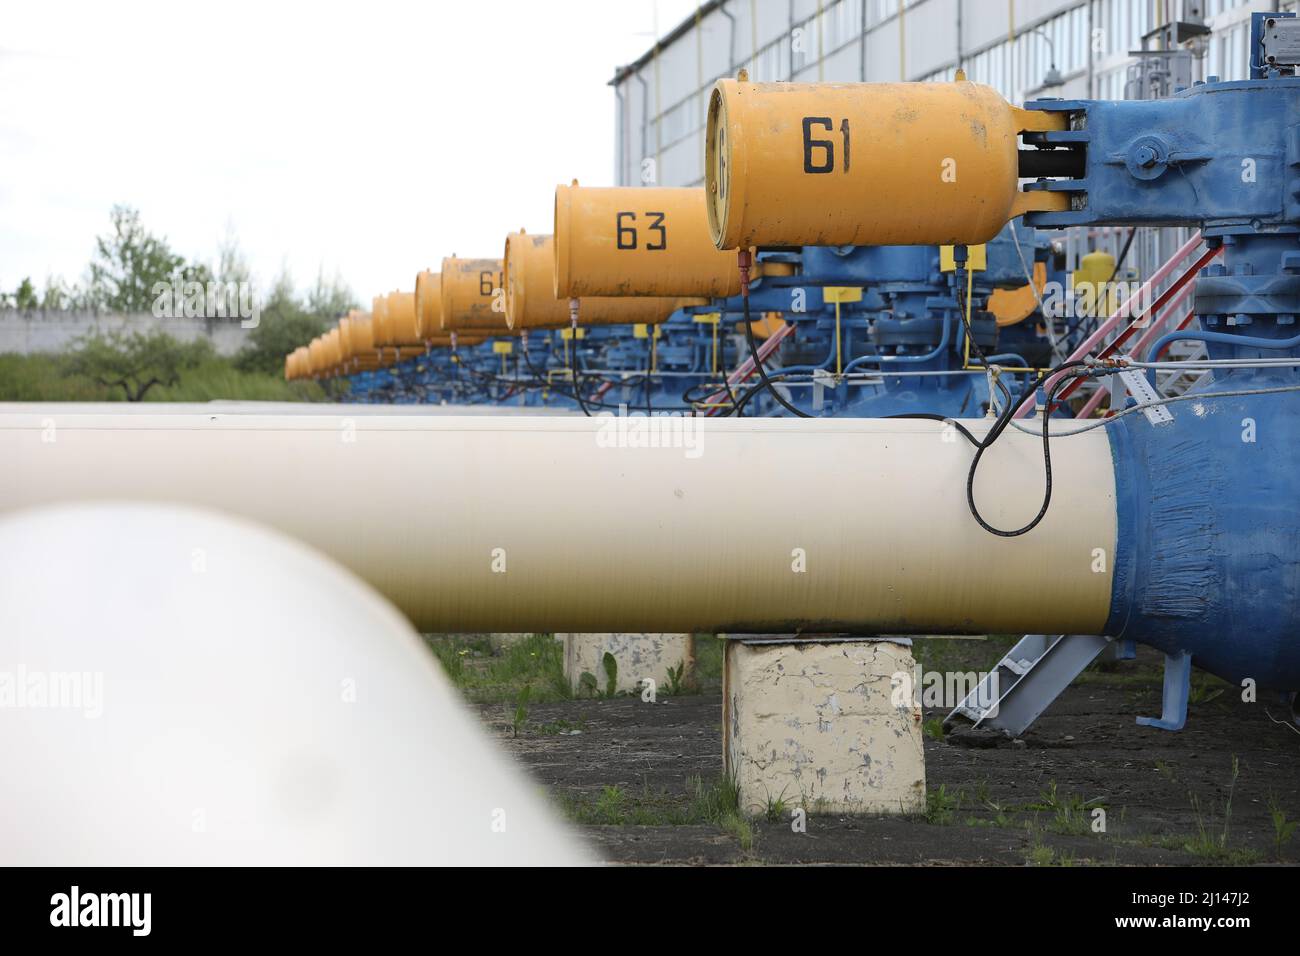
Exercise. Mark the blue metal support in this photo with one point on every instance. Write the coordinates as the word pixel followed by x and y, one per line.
pixel 1177 690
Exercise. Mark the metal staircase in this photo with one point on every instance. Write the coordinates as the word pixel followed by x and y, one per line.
pixel 1026 681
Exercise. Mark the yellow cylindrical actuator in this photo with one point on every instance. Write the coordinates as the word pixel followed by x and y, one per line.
pixel 315 362
pixel 791 164
pixel 403 328
pixel 361 333
pixel 296 364
pixel 638 241
pixel 379 321
pixel 428 303
pixel 473 296
pixel 345 336
pixel 530 293
pixel 333 351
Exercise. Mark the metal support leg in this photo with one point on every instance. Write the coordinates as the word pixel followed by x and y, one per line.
pixel 1178 685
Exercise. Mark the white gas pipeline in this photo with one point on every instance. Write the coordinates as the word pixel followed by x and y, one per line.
pixel 548 524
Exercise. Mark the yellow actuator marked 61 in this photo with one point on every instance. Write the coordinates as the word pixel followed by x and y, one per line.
pixel 791 164
pixel 473 295
pixel 638 241
pixel 530 293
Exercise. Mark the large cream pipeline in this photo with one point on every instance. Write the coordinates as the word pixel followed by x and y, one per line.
pixel 549 524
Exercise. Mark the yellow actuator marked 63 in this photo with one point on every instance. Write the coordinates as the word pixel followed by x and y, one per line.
pixel 638 241
pixel 530 293
pixel 791 164
pixel 473 295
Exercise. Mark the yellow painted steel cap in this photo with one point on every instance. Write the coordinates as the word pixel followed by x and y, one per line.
pixel 428 303
pixel 529 266
pixel 473 295
pixel 402 326
pixel 791 164
pixel 379 318
pixel 333 354
pixel 362 332
pixel 641 241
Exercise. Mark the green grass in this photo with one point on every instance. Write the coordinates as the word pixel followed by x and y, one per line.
pixel 1211 841
pixel 1283 829
pixel 713 804
pixel 1040 855
pixel 219 380
pixel 40 378
pixel 1071 814
pixel 44 378
pixel 941 806
pixel 561 727
pixel 486 677
pixel 777 809
pixel 1205 688
pixel 707 672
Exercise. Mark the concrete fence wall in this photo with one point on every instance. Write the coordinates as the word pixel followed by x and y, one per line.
pixel 40 331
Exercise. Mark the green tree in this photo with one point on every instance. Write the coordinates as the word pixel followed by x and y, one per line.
pixel 56 296
pixel 136 361
pixel 129 261
pixel 285 324
pixel 25 299
pixel 329 299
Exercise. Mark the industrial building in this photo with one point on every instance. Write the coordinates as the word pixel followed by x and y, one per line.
pixel 1024 49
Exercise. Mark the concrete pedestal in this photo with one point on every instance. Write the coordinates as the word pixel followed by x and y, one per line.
pixel 636 656
pixel 823 725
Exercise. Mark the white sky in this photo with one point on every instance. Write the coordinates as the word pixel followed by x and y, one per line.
pixel 370 137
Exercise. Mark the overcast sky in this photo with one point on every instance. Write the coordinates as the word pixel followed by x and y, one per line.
pixel 372 138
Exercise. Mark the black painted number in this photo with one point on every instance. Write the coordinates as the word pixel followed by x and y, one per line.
pixel 819 154
pixel 626 233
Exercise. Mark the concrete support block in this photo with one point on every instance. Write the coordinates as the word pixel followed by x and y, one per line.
pixel 820 725
pixel 636 657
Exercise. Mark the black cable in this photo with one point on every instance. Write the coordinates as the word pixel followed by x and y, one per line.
pixel 577 383
pixel 965 320
pixel 726 378
pixel 762 372
pixel 1003 420
pixel 1119 261
pixel 649 363
pixel 930 416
